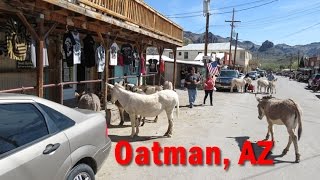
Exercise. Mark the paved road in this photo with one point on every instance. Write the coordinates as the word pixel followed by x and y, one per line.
pixel 227 124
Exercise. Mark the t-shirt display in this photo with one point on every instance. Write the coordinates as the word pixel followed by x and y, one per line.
pixel 68 43
pixel 114 54
pixel 88 52
pixel 100 58
pixel 127 53
pixel 153 65
pixel 76 48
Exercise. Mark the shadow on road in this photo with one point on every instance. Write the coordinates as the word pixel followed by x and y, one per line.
pixel 258 150
pixel 116 138
pixel 318 96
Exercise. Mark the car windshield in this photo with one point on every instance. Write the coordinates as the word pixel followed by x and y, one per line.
pixel 317 76
pixel 229 74
pixel 252 73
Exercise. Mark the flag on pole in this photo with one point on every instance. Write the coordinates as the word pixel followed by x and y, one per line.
pixel 213 67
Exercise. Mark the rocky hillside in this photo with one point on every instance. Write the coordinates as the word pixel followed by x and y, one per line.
pixel 268 51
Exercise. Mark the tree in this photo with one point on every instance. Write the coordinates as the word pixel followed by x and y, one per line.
pixel 301 64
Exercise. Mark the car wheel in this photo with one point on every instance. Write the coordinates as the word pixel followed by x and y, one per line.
pixel 81 171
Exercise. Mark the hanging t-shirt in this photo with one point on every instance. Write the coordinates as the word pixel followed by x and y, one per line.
pixel 88 52
pixel 153 65
pixel 68 43
pixel 142 65
pixel 34 54
pixel 76 49
pixel 127 54
pixel 100 58
pixel 161 66
pixel 135 62
pixel 114 54
pixel 120 60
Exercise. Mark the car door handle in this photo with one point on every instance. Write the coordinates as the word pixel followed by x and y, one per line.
pixel 51 148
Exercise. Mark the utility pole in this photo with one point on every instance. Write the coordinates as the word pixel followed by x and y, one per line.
pixel 206 6
pixel 298 60
pixel 235 51
pixel 232 26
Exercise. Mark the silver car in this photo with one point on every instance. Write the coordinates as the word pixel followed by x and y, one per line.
pixel 40 139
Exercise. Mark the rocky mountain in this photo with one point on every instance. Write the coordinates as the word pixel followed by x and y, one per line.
pixel 268 51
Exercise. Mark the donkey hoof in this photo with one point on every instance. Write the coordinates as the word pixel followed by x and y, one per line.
pixel 121 123
pixel 167 135
pixel 297 158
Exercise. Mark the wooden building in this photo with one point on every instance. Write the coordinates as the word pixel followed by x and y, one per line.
pixel 47 21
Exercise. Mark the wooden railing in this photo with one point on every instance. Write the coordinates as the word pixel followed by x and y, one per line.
pixel 138 13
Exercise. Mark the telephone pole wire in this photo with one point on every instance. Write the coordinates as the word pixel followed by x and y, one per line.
pixel 232 26
pixel 206 11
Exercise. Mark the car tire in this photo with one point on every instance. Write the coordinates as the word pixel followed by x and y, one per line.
pixel 81 170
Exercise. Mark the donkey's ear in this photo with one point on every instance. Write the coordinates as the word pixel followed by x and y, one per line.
pixel 76 94
pixel 258 99
pixel 110 86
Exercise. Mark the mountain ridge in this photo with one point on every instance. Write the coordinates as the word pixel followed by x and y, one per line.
pixel 265 52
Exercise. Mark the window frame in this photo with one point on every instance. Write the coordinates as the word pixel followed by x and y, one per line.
pixel 185 55
pixel 50 127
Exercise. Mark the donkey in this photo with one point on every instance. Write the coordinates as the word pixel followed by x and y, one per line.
pixel 272 87
pixel 146 105
pixel 88 101
pixel 282 112
pixel 262 83
pixel 240 83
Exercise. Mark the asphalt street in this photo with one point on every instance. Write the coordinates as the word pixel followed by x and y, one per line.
pixel 227 124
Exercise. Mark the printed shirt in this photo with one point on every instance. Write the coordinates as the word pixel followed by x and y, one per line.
pixel 114 54
pixel 88 51
pixel 100 58
pixel 68 43
pixel 127 54
pixel 191 78
pixel 153 65
pixel 76 49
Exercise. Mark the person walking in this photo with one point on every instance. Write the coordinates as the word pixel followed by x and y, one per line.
pixel 270 76
pixel 192 80
pixel 208 88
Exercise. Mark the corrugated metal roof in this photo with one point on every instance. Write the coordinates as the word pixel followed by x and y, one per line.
pixel 211 47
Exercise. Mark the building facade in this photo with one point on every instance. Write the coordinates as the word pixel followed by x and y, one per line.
pixel 191 52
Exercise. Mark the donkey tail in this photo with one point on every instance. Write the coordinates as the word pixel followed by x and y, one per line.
pixel 298 116
pixel 177 110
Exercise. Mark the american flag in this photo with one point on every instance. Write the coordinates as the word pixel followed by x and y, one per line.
pixel 213 67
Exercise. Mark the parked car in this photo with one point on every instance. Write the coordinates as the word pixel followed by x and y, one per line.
pixel 261 73
pixel 312 81
pixel 253 75
pixel 223 81
pixel 40 139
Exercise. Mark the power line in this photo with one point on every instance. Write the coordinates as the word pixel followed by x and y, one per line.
pixel 227 12
pixel 226 7
pixel 304 29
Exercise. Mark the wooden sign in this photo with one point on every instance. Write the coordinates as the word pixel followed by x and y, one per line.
pixel 24 65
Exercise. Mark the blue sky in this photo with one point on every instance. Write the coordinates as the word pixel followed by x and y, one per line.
pixel 293 22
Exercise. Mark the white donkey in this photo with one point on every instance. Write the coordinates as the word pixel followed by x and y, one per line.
pixel 146 105
pixel 240 83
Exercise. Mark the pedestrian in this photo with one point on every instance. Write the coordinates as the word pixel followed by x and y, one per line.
pixel 192 80
pixel 208 88
pixel 270 76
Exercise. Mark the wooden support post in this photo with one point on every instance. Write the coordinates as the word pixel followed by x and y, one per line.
pixel 106 71
pixel 160 51
pixel 40 57
pixel 174 67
